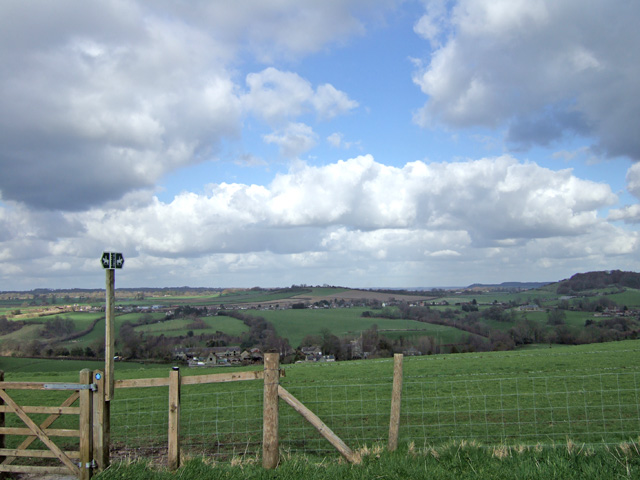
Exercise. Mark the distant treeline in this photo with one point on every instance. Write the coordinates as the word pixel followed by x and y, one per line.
pixel 597 280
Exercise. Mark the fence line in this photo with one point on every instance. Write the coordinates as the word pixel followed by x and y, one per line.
pixel 225 420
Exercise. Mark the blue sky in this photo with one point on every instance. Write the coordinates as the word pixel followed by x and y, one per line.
pixel 378 143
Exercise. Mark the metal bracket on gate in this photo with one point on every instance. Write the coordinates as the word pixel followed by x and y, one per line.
pixel 71 386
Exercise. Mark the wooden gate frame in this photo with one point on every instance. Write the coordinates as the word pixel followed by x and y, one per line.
pixel 82 392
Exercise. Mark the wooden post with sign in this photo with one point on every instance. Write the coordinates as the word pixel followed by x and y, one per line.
pixel 110 261
pixel 109 335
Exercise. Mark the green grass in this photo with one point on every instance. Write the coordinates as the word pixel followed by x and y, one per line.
pixel 326 291
pixel 630 297
pixel 296 324
pixel 180 326
pixel 455 461
pixel 25 334
pixel 536 397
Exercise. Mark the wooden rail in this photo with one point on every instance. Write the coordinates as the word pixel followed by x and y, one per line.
pixel 192 380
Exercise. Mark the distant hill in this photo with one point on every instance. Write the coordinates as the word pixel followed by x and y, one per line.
pixel 595 280
pixel 507 286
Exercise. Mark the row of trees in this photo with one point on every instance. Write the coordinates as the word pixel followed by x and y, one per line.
pixel 523 332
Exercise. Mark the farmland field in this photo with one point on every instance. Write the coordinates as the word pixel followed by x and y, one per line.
pixel 296 324
pixel 536 397
pixel 180 326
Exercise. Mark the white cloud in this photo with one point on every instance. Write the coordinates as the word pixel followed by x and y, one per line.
pixel 293 140
pixel 364 219
pixel 630 213
pixel 330 102
pixel 272 30
pixel 107 99
pixel 335 139
pixel 633 180
pixel 361 205
pixel 432 24
pixel 544 68
pixel 277 96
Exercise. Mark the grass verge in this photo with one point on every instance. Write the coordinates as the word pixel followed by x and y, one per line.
pixel 454 461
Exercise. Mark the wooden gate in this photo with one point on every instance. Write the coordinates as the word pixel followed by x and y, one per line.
pixel 76 462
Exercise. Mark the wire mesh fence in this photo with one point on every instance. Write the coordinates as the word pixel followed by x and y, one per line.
pixel 589 409
pixel 225 420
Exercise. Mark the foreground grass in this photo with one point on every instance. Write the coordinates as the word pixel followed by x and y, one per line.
pixel 454 461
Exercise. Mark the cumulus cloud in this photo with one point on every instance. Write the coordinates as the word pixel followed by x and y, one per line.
pixel 531 66
pixel 272 30
pixel 293 140
pixel 479 202
pixel 633 180
pixel 630 213
pixel 335 139
pixel 106 99
pixel 277 96
pixel 357 217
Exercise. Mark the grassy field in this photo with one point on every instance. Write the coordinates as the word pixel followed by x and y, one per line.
pixel 180 326
pixel 562 412
pixel 296 324
pixel 536 398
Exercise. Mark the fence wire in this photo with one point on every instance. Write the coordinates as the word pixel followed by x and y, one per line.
pixel 589 409
pixel 225 420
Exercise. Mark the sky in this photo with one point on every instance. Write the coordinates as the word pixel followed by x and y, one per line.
pixel 360 143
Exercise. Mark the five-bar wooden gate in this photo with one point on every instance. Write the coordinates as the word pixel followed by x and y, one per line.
pixel 77 462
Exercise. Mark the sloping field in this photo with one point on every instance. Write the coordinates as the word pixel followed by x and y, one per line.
pixel 181 326
pixel 296 324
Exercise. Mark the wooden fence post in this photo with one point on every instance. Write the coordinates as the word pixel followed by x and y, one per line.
pixel 396 401
pixel 174 419
pixel 270 452
pixel 101 423
pixel 86 432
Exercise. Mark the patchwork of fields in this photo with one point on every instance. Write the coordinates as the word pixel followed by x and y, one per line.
pixel 295 324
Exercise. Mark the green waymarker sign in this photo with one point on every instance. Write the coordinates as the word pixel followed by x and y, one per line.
pixel 112 260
